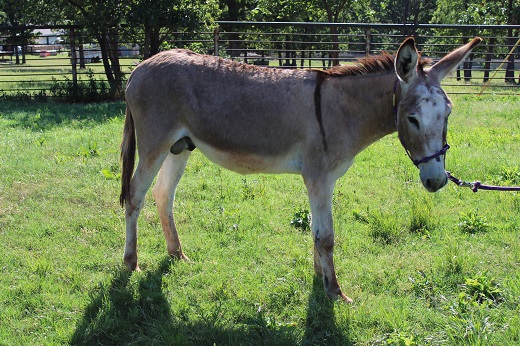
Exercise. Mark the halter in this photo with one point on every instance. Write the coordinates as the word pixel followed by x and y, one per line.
pixel 425 158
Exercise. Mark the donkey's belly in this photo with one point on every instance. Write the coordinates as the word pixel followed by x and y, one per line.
pixel 246 163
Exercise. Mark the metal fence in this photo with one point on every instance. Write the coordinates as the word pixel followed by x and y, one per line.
pixel 36 59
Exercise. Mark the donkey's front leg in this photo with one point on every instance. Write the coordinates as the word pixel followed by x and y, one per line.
pixel 320 198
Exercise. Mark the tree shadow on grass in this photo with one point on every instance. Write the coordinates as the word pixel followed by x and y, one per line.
pixel 137 312
pixel 321 325
pixel 45 116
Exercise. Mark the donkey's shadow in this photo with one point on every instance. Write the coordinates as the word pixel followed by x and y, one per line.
pixel 321 327
pixel 138 312
pixel 124 312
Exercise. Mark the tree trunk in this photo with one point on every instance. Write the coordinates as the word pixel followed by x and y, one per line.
pixel 510 67
pixel 113 40
pixel 467 66
pixel 146 44
pixel 81 56
pixel 155 41
pixel 103 45
pixel 489 57
pixel 334 55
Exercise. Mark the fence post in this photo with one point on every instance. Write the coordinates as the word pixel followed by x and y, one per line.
pixel 216 38
pixel 73 59
pixel 368 36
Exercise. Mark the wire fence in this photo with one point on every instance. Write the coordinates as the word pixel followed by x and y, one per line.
pixel 37 59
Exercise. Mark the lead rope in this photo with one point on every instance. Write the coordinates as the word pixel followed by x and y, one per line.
pixel 476 185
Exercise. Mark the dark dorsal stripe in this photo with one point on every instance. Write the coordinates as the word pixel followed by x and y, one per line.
pixel 320 77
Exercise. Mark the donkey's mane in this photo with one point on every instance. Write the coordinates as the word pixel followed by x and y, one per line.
pixel 372 64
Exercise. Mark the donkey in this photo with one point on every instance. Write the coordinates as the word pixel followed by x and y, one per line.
pixel 243 118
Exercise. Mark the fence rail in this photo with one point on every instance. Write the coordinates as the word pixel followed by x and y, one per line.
pixel 34 59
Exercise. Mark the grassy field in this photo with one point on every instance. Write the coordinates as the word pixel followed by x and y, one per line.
pixel 423 269
pixel 41 73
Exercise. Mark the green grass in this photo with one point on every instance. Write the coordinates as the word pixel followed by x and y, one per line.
pixel 416 275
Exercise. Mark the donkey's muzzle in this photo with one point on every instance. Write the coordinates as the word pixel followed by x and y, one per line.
pixel 433 183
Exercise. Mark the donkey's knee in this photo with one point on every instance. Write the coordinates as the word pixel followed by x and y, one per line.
pixel 323 243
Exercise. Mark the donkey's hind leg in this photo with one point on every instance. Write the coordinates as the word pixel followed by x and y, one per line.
pixel 164 194
pixel 145 172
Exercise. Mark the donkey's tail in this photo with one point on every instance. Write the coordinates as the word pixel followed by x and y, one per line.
pixel 128 146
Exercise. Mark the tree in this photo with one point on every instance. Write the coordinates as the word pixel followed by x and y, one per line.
pixel 291 11
pixel 156 19
pixel 333 9
pixel 17 13
pixel 481 12
pixel 103 20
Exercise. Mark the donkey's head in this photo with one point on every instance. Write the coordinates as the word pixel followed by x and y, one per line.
pixel 423 109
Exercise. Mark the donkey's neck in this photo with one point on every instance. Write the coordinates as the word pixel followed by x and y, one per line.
pixel 369 104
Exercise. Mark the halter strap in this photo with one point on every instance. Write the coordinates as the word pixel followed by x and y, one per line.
pixel 394 102
pixel 424 159
pixel 431 157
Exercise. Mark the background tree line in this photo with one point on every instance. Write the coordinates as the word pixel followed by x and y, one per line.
pixel 150 23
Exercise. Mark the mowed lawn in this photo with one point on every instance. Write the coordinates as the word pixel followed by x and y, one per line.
pixel 423 269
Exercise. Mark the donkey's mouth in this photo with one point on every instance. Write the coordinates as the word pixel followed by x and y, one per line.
pixel 435 184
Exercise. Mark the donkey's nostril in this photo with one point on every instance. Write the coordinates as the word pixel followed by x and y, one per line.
pixel 428 183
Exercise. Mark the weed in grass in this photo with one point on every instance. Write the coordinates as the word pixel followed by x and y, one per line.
pixel 60 158
pixel 40 141
pixel 90 151
pixel 472 223
pixel 384 228
pixel 516 202
pixel 422 219
pixel 508 176
pixel 424 288
pixel 453 264
pixel 252 189
pixel 31 121
pixel 482 288
pixel 470 323
pixel 112 173
pixel 471 319
pixel 360 217
pixel 400 339
pixel 302 220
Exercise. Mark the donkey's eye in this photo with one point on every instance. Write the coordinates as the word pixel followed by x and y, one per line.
pixel 413 121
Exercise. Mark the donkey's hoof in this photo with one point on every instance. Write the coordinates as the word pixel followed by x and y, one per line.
pixel 345 298
pixel 131 264
pixel 339 295
pixel 180 256
pixel 132 267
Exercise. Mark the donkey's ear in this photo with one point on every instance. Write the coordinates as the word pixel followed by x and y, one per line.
pixel 452 60
pixel 406 61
